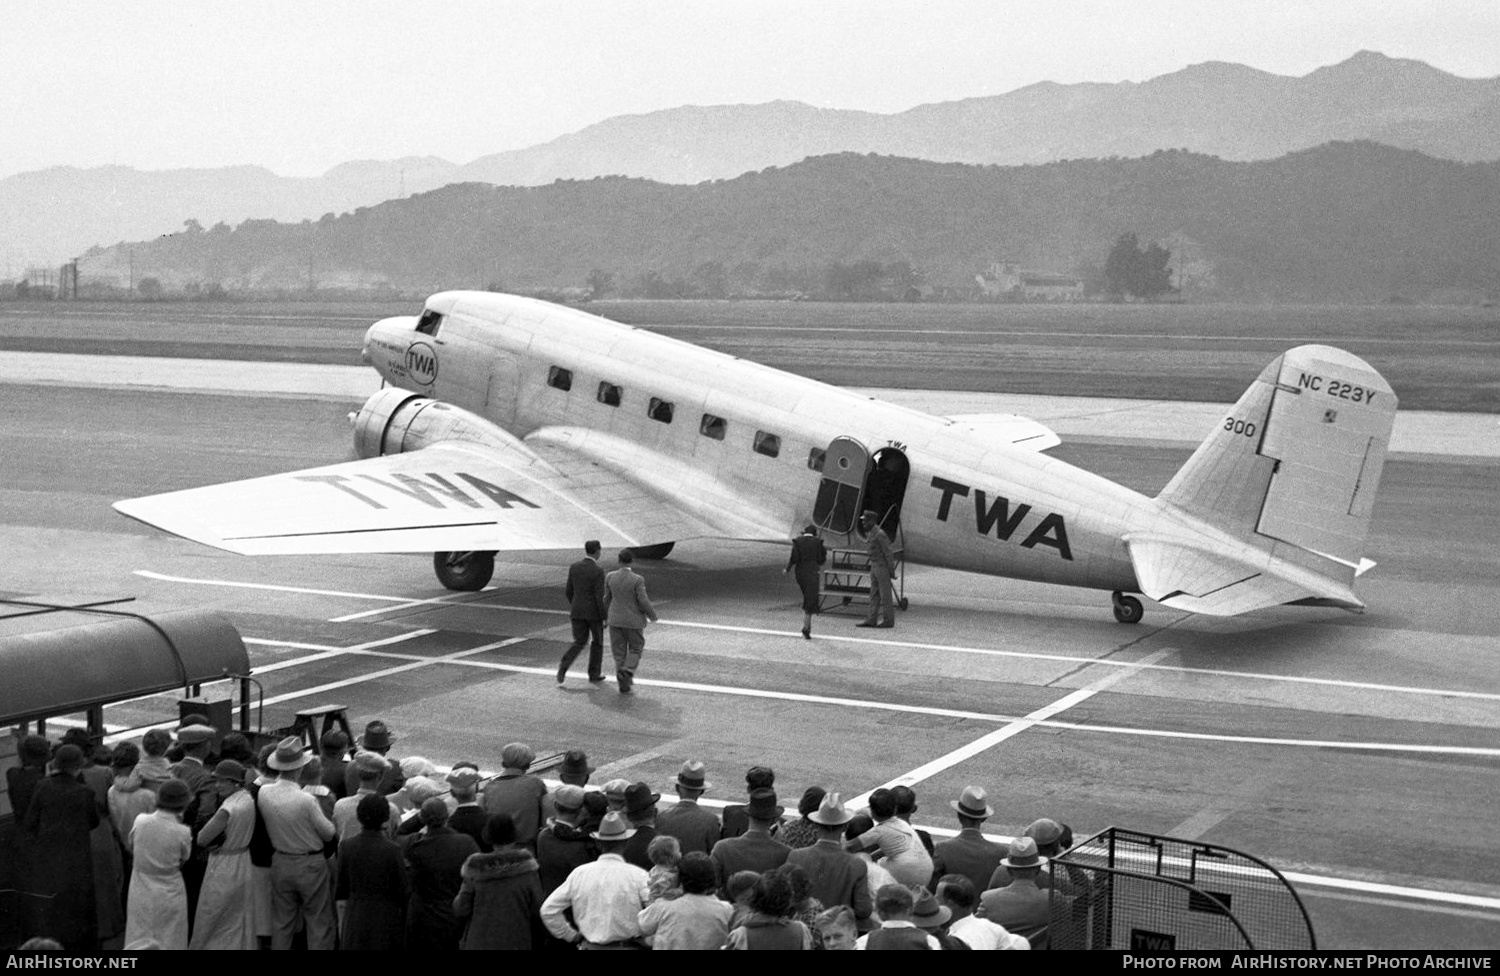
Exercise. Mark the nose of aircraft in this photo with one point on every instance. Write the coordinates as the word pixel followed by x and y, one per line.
pixel 386 342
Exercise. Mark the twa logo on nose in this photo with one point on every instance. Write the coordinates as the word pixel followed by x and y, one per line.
pixel 421 363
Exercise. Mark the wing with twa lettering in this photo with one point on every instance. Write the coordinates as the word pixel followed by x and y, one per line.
pixel 446 497
pixel 1010 428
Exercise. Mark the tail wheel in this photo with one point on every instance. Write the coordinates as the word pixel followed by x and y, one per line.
pixel 466 571
pixel 1128 609
pixel 653 552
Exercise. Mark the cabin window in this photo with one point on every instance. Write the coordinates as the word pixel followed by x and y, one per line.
pixel 712 426
pixel 609 394
pixel 660 410
pixel 429 322
pixel 767 444
pixel 559 378
pixel 815 458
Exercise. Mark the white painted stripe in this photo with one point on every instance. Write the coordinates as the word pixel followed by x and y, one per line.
pixel 421 662
pixel 1398 747
pixel 915 645
pixel 326 652
pixel 987 741
pixel 1308 889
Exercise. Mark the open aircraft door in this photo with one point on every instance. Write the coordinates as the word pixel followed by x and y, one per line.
pixel 842 489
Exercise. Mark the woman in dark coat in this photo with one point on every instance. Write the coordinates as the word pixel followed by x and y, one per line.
pixel 808 555
pixel 372 883
pixel 59 819
pixel 501 895
pixel 15 871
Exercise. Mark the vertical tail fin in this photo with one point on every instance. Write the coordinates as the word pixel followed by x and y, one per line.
pixel 1298 458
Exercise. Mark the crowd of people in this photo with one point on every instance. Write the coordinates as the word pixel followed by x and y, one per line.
pixel 176 843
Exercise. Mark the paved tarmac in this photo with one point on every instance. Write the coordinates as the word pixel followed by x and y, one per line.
pixel 1357 753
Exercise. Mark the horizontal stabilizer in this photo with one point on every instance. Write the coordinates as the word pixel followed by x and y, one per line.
pixel 1009 428
pixel 1204 581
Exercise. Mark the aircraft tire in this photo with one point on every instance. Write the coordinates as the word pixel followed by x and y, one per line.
pixel 660 551
pixel 464 571
pixel 903 603
pixel 1128 609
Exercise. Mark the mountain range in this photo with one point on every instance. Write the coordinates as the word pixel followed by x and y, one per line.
pixel 1355 221
pixel 1226 110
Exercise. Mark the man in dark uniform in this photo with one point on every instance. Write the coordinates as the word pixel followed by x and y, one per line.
pixel 882 571
pixel 585 592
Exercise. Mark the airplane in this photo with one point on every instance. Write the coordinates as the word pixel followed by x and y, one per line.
pixel 509 424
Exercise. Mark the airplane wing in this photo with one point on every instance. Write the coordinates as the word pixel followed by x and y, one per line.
pixel 448 497
pixel 1009 428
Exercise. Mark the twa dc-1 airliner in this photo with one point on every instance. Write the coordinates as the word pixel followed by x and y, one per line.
pixel 510 424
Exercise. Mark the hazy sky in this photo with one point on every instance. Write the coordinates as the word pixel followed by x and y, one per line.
pixel 300 86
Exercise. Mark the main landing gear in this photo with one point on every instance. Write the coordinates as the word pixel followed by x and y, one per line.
pixel 467 571
pixel 1128 609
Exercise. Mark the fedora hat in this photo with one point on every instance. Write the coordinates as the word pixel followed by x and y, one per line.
pixel 690 776
pixel 971 803
pixel 288 754
pixel 831 813
pixel 192 734
pixel 763 805
pixel 639 798
pixel 575 763
pixel 1044 831
pixel 613 827
pixel 926 913
pixel 376 736
pixel 1023 854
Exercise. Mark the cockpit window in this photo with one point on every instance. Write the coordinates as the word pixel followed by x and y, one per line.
pixel 429 322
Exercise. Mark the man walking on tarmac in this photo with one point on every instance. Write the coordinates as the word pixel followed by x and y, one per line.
pixel 627 608
pixel 585 594
pixel 882 571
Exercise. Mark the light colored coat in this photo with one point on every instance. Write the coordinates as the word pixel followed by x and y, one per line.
pixel 625 600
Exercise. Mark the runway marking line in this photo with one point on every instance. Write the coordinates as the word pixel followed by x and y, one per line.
pixel 869 704
pixel 914 645
pixel 994 738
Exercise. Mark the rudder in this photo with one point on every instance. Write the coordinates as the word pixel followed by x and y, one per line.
pixel 1298 459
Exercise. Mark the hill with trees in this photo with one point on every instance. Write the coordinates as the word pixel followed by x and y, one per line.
pixel 1344 221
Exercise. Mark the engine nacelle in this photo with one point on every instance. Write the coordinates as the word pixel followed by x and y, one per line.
pixel 396 421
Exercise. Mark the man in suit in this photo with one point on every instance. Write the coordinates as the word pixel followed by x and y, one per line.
pixel 754 850
pixel 1021 907
pixel 627 608
pixel 696 828
pixel 882 570
pixel 585 593
pixel 838 877
pixel 970 854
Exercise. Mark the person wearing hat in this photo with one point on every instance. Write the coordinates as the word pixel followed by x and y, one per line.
pixel 896 904
pixel 161 844
pixel 754 850
pixel 736 819
pixel 301 884
pixel 564 842
pixel 574 771
pixel 640 810
pixel 696 828
pixel 882 570
pixel 1048 836
pixel 57 826
pixel 376 738
pixel 518 793
pixel 333 751
pixel 435 860
pixel 368 769
pixel 932 917
pixel 465 815
pixel 223 920
pixel 969 853
pixel 1021 907
pixel 957 893
pixel 837 876
pixel 585 595
pixel 807 559
pixel 606 895
pixel 627 608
